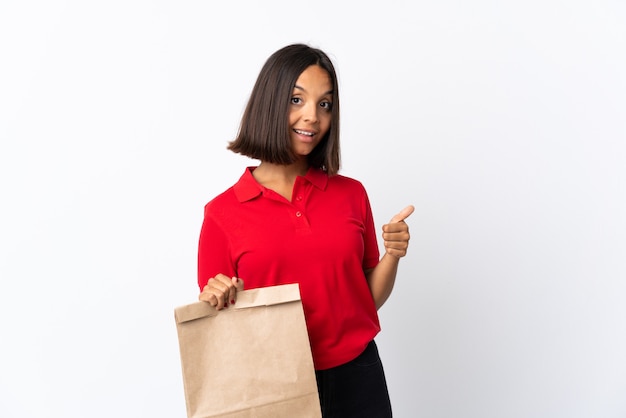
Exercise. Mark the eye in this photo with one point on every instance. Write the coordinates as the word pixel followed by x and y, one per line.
pixel 326 105
pixel 296 100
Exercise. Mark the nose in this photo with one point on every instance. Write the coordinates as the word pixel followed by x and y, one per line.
pixel 310 113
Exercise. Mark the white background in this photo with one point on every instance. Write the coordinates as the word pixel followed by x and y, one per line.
pixel 502 122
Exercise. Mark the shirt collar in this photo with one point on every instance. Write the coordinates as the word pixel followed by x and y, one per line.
pixel 247 188
pixel 317 178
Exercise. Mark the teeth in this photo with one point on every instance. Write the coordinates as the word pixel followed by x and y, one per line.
pixel 303 132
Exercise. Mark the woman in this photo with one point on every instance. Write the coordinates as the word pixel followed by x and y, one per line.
pixel 294 219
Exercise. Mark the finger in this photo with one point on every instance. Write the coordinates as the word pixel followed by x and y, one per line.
pixel 396 227
pixel 219 286
pixel 396 252
pixel 231 293
pixel 223 279
pixel 237 285
pixel 402 235
pixel 396 248
pixel 220 300
pixel 403 214
pixel 396 245
pixel 208 296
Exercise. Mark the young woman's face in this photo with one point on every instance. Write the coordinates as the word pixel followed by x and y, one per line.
pixel 310 110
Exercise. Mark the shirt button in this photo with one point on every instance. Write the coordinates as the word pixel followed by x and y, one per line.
pixel 298 214
pixel 298 198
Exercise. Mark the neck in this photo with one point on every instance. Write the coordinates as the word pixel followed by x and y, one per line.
pixel 280 178
pixel 284 172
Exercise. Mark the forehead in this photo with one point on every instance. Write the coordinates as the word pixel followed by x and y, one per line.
pixel 314 78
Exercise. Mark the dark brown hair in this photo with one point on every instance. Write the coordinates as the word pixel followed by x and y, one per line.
pixel 264 129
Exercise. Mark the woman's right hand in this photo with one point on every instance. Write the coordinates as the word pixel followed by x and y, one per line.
pixel 221 290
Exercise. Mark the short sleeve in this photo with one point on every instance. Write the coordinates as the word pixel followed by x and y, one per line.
pixel 214 255
pixel 371 254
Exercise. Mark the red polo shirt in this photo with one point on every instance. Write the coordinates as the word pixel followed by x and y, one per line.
pixel 323 239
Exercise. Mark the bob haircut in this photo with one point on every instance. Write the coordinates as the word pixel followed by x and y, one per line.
pixel 264 130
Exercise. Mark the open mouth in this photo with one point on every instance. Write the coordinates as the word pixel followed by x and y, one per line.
pixel 305 133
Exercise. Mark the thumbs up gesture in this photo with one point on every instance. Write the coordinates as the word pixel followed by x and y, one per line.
pixel 396 233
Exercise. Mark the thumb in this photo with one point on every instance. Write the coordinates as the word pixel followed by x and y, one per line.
pixel 403 214
pixel 238 283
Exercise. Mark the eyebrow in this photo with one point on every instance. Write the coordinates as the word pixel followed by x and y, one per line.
pixel 303 89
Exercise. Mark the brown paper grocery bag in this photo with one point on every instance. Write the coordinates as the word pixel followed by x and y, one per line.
pixel 250 360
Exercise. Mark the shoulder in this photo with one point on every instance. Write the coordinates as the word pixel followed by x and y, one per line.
pixel 346 183
pixel 221 203
pixel 246 188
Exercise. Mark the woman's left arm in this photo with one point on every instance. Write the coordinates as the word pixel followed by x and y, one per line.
pixel 396 240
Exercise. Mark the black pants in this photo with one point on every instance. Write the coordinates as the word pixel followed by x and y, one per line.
pixel 357 389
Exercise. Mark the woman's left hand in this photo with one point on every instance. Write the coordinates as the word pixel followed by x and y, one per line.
pixel 396 233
